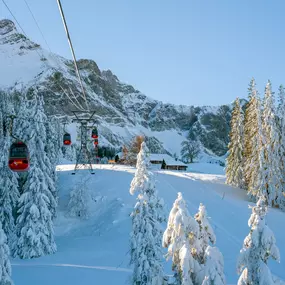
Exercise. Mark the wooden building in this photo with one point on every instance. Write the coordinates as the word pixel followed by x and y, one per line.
pixel 171 163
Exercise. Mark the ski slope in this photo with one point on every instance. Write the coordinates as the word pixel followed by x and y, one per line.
pixel 95 251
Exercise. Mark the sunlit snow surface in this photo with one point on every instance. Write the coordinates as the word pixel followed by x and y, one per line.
pixel 95 251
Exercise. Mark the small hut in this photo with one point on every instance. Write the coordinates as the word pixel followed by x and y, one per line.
pixel 171 163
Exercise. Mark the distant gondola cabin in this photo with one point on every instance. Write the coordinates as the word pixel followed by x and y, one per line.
pixel 19 158
pixel 67 139
pixel 96 142
pixel 94 134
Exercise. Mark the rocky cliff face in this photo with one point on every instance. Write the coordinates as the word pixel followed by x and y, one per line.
pixel 121 110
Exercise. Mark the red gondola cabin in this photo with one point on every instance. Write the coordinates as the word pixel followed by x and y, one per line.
pixel 19 158
pixel 94 134
pixel 67 139
pixel 96 142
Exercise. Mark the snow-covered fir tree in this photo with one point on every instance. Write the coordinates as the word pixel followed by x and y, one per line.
pixel 274 185
pixel 36 204
pixel 181 239
pixel 146 251
pixel 258 247
pixel 22 124
pixel 251 162
pixel 234 161
pixel 5 266
pixel 281 124
pixel 52 147
pixel 214 267
pixel 206 232
pixel 69 152
pixel 9 189
pixel 53 154
pixel 78 205
pixel 9 194
pixel 260 173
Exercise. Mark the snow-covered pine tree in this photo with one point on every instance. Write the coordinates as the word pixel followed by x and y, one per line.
pixel 53 154
pixel 258 247
pixel 9 190
pixel 36 204
pixel 22 126
pixel 274 185
pixel 251 162
pixel 9 194
pixel 79 200
pixel 146 251
pixel 69 152
pixel 5 266
pixel 234 161
pixel 281 120
pixel 259 186
pixel 206 232
pixel 214 267
pixel 181 239
pixel 281 125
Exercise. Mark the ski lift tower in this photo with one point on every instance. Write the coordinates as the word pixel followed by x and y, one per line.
pixel 83 157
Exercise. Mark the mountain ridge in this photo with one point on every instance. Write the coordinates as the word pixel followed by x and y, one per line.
pixel 122 110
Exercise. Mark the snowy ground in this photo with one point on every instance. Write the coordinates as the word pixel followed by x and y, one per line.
pixel 95 251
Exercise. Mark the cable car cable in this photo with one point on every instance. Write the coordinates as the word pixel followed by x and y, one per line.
pixel 37 25
pixel 72 51
pixel 56 59
pixel 14 18
pixel 40 56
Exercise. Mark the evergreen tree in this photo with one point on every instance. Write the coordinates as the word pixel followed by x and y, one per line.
pixel 146 252
pixel 9 189
pixel 5 266
pixel 36 204
pixel 181 239
pixel 206 233
pixel 117 158
pixel 259 186
pixel 258 247
pixel 234 165
pixel 69 152
pixel 251 163
pixel 9 194
pixel 272 151
pixel 79 201
pixel 53 154
pixel 163 165
pixel 281 124
pixel 214 267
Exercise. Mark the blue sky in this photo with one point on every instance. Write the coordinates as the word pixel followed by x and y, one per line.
pixel 189 52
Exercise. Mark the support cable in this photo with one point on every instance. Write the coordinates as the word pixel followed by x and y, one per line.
pixel 72 51
pixel 40 56
pixel 56 59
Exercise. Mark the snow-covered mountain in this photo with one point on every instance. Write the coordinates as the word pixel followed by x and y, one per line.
pixel 121 110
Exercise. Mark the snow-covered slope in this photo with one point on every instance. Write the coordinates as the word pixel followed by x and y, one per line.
pixel 95 251
pixel 121 110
